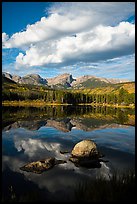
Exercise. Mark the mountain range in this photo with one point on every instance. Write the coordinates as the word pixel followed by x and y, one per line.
pixel 62 81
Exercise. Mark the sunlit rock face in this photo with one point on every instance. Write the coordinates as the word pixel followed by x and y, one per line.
pixel 85 148
pixel 39 166
pixel 85 153
pixel 60 79
pixel 65 80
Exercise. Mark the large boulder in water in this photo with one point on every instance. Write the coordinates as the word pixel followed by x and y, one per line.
pixel 85 153
pixel 85 148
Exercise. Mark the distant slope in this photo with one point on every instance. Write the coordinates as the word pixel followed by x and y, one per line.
pixel 7 80
pixel 29 93
pixel 88 81
pixel 110 88
pixel 129 86
pixel 64 81
pixel 7 75
pixel 33 79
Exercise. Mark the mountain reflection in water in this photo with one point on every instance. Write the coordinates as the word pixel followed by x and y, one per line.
pixel 30 134
pixel 65 118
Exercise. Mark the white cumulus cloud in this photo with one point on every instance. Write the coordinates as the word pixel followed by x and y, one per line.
pixel 100 43
pixel 5 37
pixel 69 18
pixel 75 32
pixel 51 28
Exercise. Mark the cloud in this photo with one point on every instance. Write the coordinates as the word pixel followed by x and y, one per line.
pixel 73 33
pixel 69 18
pixel 51 28
pixel 32 147
pixel 5 37
pixel 100 43
pixel 106 13
pixel 122 67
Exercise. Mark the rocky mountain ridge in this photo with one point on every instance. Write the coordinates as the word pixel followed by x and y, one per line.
pixel 63 81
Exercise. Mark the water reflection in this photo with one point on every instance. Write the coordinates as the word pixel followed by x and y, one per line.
pixel 65 118
pixel 30 134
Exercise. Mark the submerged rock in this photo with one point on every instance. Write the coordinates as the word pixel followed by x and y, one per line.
pixel 86 162
pixel 41 165
pixel 64 152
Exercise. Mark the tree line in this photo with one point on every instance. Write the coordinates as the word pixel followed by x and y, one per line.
pixel 69 97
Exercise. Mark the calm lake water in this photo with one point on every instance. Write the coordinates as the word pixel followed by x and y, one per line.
pixel 31 134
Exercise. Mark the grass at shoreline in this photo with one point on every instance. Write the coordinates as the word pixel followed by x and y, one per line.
pixel 31 103
pixel 120 187
pixel 37 103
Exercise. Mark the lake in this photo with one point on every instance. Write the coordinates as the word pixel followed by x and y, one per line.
pixel 31 134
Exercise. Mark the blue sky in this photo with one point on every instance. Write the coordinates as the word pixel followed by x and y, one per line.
pixel 25 13
pixel 81 38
